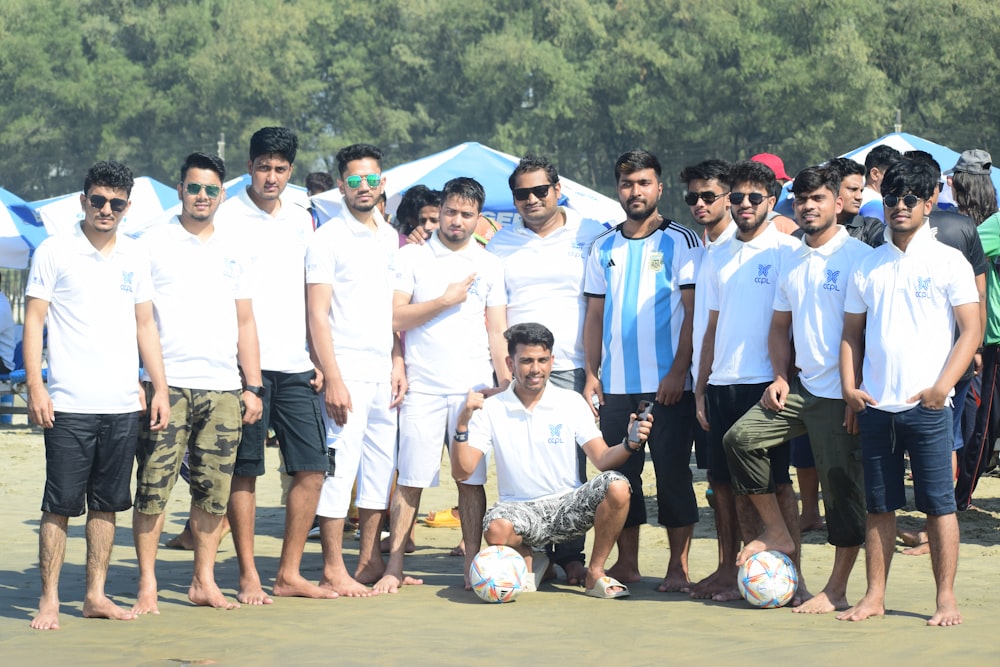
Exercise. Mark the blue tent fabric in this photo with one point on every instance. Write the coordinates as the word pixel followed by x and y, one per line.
pixel 21 232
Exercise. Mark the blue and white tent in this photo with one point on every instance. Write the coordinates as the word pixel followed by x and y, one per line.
pixel 20 234
pixel 488 166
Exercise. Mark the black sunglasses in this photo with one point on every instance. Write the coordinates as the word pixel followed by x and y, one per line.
pixel 117 205
pixel 540 192
pixel 909 201
pixel 691 198
pixel 736 198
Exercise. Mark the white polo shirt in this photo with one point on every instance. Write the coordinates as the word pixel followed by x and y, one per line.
pixel 195 287
pixel 742 278
pixel 450 353
pixel 544 277
pixel 535 451
pixel 360 266
pixel 812 285
pixel 92 350
pixel 700 323
pixel 909 332
pixel 275 252
pixel 641 282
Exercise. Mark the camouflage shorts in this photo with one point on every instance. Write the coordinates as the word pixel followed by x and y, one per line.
pixel 207 425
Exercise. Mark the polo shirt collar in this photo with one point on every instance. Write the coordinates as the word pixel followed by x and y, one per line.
pixel 921 239
pixel 514 403
pixel 85 247
pixel 828 248
pixel 441 250
pixel 727 233
pixel 572 222
pixel 765 240
pixel 358 228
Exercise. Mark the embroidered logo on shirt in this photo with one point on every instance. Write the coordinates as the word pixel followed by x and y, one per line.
pixel 610 263
pixel 555 434
pixel 229 270
pixel 474 287
pixel 656 262
pixel 127 281
pixel 831 281
pixel 761 278
pixel 576 249
pixel 923 288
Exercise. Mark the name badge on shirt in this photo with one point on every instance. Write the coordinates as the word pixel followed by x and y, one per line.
pixel 656 262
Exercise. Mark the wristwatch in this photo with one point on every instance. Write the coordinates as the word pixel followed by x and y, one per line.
pixel 630 450
pixel 254 389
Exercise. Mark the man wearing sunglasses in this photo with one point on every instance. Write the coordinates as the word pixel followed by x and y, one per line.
pixel 544 255
pixel 93 289
pixel 640 282
pixel 275 231
pixel 899 363
pixel 212 363
pixel 735 368
pixel 350 265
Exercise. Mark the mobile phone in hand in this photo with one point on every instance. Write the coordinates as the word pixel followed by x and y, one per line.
pixel 645 408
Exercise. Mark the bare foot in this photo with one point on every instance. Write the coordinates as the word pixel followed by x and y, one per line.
pixel 629 576
pixel 370 573
pixel 821 603
pixel 675 582
pixel 390 583
pixel 459 550
pixel 767 541
pixel 386 547
pixel 801 596
pixel 185 541
pixel 48 615
pixel 346 586
pixel 576 573
pixel 251 592
pixel 102 607
pixel 592 577
pixel 811 523
pixel 299 587
pixel 912 538
pixel 146 599
pixel 919 550
pixel 719 586
pixel 209 595
pixel 862 610
pixel 947 613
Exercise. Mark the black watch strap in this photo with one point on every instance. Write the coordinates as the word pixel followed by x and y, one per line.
pixel 254 389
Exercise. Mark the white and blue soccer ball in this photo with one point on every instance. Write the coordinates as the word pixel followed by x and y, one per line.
pixel 497 574
pixel 768 579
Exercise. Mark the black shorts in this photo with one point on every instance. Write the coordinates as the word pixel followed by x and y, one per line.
pixel 725 405
pixel 89 457
pixel 292 409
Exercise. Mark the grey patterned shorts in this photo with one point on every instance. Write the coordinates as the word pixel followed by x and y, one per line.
pixel 559 519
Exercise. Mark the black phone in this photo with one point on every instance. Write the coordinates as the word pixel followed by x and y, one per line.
pixel 645 407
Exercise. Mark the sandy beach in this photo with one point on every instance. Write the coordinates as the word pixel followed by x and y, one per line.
pixel 440 624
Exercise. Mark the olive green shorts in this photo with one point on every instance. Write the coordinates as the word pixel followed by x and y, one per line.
pixel 208 425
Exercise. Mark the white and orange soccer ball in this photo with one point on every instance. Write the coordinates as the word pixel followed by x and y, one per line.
pixel 768 579
pixel 497 574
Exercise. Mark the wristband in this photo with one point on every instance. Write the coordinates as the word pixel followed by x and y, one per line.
pixel 461 436
pixel 629 449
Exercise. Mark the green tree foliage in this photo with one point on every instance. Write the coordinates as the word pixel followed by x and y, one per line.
pixel 581 81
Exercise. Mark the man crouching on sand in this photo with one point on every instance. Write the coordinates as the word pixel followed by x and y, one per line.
pixel 534 430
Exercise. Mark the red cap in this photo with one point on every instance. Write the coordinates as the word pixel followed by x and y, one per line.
pixel 775 163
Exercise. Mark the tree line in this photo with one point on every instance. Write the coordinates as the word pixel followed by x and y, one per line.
pixel 580 81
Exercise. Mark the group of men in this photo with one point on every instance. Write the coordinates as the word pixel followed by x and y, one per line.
pixel 366 358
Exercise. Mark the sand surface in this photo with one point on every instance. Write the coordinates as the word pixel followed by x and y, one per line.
pixel 440 624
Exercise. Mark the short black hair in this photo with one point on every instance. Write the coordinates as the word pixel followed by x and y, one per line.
pixel 754 173
pixel 926 158
pixel 845 166
pixel 319 181
pixel 357 152
pixel 528 333
pixel 910 176
pixel 811 179
pixel 636 160
pixel 274 141
pixel 409 207
pixel 531 162
pixel 708 170
pixel 109 174
pixel 881 156
pixel 465 188
pixel 204 161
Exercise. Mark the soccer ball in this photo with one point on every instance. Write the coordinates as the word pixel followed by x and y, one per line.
pixel 497 574
pixel 768 579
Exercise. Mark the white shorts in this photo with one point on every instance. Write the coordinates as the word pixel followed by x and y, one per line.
pixel 426 422
pixel 365 451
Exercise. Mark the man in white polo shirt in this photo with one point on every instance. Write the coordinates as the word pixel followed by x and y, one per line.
pixel 276 231
pixel 442 290
pixel 544 256
pixel 205 319
pixel 734 368
pixel 350 266
pixel 93 287
pixel 809 306
pixel 533 430
pixel 903 303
